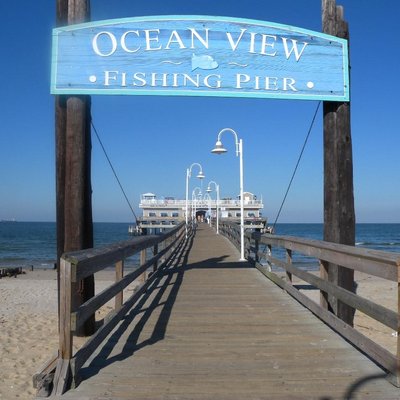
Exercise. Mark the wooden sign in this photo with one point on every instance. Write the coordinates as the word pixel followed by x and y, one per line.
pixel 199 56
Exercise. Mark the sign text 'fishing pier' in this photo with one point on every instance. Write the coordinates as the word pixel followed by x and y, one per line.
pixel 199 56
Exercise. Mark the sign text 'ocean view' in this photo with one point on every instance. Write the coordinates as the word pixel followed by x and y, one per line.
pixel 199 56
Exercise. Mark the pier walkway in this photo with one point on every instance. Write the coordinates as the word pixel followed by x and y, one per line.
pixel 210 327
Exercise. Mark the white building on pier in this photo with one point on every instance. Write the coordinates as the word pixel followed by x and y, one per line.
pixel 168 211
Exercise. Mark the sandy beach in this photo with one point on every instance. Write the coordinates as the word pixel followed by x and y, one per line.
pixel 28 328
pixel 28 324
pixel 380 291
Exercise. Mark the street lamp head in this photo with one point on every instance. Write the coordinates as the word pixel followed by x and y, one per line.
pixel 208 190
pixel 219 148
pixel 200 175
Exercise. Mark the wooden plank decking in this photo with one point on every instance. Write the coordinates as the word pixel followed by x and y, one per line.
pixel 214 328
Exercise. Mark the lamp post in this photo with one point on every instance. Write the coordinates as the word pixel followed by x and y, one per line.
pixel 219 149
pixel 217 203
pixel 200 175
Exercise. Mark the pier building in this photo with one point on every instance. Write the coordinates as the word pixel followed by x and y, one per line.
pixel 167 212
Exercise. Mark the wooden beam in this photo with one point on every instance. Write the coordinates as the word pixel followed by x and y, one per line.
pixel 78 11
pixel 62 377
pixel 73 166
pixel 339 216
pixel 373 262
pixel 119 274
pixel 60 129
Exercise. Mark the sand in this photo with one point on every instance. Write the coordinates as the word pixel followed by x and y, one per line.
pixel 381 292
pixel 28 328
pixel 28 324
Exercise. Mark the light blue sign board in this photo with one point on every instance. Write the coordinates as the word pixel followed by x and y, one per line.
pixel 199 56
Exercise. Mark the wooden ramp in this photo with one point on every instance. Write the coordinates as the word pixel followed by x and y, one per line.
pixel 213 328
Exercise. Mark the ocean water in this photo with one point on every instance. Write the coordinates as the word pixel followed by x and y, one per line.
pixel 23 244
pixel 384 237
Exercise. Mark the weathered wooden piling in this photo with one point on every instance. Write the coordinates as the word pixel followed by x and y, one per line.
pixel 339 214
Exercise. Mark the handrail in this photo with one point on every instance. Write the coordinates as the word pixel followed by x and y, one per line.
pixel 75 266
pixel 381 264
pixel 375 262
pixel 231 230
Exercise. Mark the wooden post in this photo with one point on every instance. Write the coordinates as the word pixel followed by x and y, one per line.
pixel 398 328
pixel 323 296
pixel 62 376
pixel 60 129
pixel 269 252
pixel 256 237
pixel 143 259
pixel 339 216
pixel 397 376
pixel 289 259
pixel 119 274
pixel 73 160
pixel 60 120
pixel 155 252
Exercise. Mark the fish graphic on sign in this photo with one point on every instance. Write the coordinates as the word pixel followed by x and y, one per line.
pixel 203 62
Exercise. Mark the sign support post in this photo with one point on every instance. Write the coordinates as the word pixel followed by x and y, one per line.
pixel 339 215
pixel 73 160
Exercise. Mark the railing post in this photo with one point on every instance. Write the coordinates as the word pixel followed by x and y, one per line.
pixel 289 261
pixel 398 328
pixel 119 274
pixel 155 252
pixel 169 240
pixel 66 336
pixel 323 273
pixel 165 245
pixel 62 377
pixel 142 261
pixel 269 252
pixel 235 235
pixel 248 246
pixel 394 376
pixel 256 236
pixel 256 248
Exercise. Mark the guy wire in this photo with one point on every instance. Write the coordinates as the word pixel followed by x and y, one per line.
pixel 297 165
pixel 113 170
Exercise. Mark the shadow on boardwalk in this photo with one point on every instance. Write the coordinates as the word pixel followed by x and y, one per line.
pixel 212 328
pixel 169 277
pixel 167 284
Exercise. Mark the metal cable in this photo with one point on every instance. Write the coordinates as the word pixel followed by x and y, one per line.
pixel 297 164
pixel 113 170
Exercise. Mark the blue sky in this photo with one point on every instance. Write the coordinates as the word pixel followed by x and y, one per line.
pixel 152 140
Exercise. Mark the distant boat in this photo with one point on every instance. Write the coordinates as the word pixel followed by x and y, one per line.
pixel 8 220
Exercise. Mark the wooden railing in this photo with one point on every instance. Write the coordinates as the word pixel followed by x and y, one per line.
pixel 231 230
pixel 78 265
pixel 263 251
